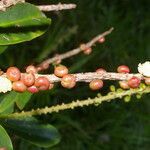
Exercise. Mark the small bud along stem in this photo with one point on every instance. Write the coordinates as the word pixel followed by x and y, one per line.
pixel 87 77
pixel 43 82
pixel 96 101
pixel 76 50
pixel 7 3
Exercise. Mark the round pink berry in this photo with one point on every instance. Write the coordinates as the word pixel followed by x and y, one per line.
pixel 134 82
pixel 124 85
pixel 96 84
pixel 31 69
pixel 101 40
pixel 13 73
pixel 42 83
pixel 123 69
pixel 33 89
pixel 100 70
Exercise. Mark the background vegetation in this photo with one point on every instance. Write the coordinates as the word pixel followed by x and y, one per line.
pixel 111 126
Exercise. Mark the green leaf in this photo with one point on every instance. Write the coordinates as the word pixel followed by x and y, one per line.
pixel 22 99
pixel 22 22
pixel 9 110
pixel 25 145
pixel 4 139
pixel 2 49
pixel 7 101
pixel 42 135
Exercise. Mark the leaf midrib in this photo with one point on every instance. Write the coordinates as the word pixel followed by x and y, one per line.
pixel 21 21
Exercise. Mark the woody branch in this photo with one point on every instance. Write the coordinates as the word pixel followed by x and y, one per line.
pixel 7 3
pixel 74 51
pixel 88 77
pixel 56 7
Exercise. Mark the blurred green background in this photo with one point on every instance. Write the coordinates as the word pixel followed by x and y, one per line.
pixel 112 126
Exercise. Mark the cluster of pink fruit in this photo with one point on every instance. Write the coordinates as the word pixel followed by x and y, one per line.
pixel 134 82
pixel 88 50
pixel 28 82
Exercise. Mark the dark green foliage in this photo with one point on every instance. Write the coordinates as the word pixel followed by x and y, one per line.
pixel 42 135
pixel 111 126
pixel 20 23
pixel 2 49
pixel 5 139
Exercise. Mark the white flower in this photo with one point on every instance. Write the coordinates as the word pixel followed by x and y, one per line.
pixel 144 69
pixel 5 85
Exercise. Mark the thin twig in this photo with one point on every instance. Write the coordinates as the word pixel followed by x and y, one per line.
pixel 56 7
pixel 7 3
pixel 74 51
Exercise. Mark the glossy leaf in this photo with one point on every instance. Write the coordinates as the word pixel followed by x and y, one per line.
pixel 2 49
pixel 22 22
pixel 9 110
pixel 42 135
pixel 7 101
pixel 22 99
pixel 5 140
pixel 25 145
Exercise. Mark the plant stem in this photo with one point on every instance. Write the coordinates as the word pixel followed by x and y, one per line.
pixel 96 101
pixel 7 3
pixel 74 51
pixel 57 7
